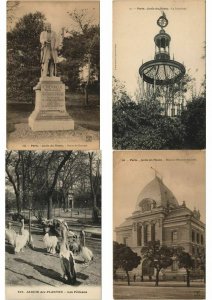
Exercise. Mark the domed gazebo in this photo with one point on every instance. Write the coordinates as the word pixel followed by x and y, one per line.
pixel 161 76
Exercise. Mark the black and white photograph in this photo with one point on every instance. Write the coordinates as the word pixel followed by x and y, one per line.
pixel 53 225
pixel 159 225
pixel 159 90
pixel 53 75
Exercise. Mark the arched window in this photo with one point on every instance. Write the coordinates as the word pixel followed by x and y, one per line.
pixel 153 232
pixel 147 204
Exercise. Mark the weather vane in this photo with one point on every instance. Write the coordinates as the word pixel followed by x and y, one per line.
pixel 162 21
pixel 157 174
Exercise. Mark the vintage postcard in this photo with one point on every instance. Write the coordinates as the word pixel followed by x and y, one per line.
pixel 159 225
pixel 53 75
pixel 53 225
pixel 159 90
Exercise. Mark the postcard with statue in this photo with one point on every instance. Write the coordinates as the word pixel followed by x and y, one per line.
pixel 53 165
pixel 53 75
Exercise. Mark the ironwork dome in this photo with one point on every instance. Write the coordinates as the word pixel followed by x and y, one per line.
pixel 161 74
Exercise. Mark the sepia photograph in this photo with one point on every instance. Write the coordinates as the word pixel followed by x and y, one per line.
pixel 159 220
pixel 53 225
pixel 159 90
pixel 53 75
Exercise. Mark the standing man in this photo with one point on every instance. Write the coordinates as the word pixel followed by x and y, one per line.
pixel 49 46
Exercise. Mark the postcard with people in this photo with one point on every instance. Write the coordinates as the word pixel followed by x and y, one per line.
pixel 53 75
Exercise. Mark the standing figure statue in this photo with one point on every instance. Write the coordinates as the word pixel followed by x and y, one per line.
pixel 49 46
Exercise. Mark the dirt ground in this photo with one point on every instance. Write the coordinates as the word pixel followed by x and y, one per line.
pixel 84 136
pixel 37 267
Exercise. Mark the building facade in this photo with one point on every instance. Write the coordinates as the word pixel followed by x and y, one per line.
pixel 159 216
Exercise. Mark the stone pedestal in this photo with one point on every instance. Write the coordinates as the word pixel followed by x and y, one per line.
pixel 50 110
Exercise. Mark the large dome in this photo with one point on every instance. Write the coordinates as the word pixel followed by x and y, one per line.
pixel 158 194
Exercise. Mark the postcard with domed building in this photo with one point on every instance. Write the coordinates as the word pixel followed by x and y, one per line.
pixel 159 224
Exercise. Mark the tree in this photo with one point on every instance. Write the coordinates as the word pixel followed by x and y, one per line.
pixel 23 57
pixel 95 181
pixel 160 256
pixel 194 121
pixel 142 126
pixel 11 8
pixel 125 258
pixel 81 50
pixel 186 262
pixel 12 166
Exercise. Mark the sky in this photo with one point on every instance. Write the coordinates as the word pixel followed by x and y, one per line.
pixel 134 28
pixel 183 172
pixel 56 11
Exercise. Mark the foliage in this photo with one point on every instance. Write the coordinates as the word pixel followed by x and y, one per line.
pixel 43 179
pixel 160 256
pixel 142 126
pixel 125 258
pixel 194 121
pixel 187 262
pixel 80 48
pixel 23 57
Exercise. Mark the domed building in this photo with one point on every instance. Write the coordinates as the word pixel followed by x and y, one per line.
pixel 159 216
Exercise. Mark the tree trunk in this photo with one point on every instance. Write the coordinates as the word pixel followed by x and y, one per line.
pixel 157 277
pixel 86 95
pixel 128 278
pixel 18 206
pixel 188 278
pixel 49 214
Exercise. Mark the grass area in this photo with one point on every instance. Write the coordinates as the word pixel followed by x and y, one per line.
pixel 84 116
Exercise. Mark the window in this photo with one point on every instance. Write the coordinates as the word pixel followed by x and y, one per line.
pixel 202 240
pixel 175 265
pixel 125 241
pixel 153 232
pixel 193 236
pixel 197 238
pixel 174 236
pixel 145 233
pixel 139 236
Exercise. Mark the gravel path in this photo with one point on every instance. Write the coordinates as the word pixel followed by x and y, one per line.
pixel 80 138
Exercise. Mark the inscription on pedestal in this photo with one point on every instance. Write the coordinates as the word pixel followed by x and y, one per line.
pixel 53 96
